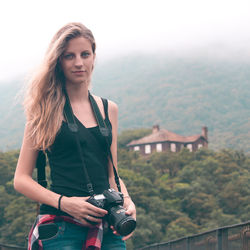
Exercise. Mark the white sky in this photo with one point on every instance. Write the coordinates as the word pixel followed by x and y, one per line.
pixel 120 27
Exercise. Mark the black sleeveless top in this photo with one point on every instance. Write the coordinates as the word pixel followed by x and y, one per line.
pixel 66 170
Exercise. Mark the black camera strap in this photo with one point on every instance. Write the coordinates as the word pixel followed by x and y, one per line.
pixel 105 131
pixel 70 119
pixel 41 164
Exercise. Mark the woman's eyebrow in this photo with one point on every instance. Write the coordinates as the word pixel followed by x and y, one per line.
pixel 71 52
pixel 68 52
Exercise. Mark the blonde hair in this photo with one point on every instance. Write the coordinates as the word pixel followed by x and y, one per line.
pixel 44 100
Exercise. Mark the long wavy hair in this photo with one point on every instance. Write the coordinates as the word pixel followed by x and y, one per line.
pixel 44 100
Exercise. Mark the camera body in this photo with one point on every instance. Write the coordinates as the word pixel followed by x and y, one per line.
pixel 112 201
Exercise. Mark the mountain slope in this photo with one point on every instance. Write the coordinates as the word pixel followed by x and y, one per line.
pixel 11 115
pixel 180 94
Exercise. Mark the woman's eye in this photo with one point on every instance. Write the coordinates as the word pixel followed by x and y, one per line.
pixel 68 56
pixel 85 54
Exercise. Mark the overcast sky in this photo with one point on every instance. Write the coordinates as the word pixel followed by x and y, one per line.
pixel 121 27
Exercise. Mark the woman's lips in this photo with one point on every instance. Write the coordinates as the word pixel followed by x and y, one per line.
pixel 78 72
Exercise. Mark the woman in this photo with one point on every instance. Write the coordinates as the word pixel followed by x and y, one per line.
pixel 68 66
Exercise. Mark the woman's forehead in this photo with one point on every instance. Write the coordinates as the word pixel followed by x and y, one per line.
pixel 78 43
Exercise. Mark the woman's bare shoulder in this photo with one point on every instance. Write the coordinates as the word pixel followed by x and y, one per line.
pixel 112 106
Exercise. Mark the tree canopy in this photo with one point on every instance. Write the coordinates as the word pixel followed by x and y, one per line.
pixel 176 194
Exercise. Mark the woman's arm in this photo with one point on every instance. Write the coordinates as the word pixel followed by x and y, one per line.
pixel 23 183
pixel 128 203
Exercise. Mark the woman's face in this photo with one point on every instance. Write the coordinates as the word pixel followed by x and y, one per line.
pixel 77 61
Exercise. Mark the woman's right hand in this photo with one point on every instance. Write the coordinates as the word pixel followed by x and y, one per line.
pixel 83 211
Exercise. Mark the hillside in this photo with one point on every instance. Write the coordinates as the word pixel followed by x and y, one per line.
pixel 11 115
pixel 180 94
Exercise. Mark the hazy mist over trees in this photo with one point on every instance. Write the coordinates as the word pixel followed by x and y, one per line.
pixel 181 94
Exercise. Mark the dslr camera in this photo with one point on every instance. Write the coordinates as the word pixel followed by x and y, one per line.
pixel 112 201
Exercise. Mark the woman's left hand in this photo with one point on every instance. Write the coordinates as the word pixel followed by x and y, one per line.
pixel 130 210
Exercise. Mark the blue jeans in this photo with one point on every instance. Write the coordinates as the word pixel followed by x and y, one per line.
pixel 72 237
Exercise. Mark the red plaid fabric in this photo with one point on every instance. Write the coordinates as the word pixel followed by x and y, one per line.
pixel 93 239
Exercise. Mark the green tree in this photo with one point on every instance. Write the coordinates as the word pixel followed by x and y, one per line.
pixel 179 228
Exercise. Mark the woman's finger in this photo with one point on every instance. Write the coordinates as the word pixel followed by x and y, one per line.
pixel 93 220
pixel 127 237
pixel 95 211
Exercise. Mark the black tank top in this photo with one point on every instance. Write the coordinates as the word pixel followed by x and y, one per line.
pixel 66 170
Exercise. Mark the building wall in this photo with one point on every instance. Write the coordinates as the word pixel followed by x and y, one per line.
pixel 146 149
pixel 196 144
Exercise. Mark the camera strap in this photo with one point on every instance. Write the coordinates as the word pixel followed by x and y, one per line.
pixel 40 165
pixel 105 131
pixel 70 119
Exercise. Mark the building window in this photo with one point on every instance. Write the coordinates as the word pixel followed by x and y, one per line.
pixel 158 147
pixel 190 147
pixel 200 146
pixel 136 148
pixel 173 147
pixel 147 149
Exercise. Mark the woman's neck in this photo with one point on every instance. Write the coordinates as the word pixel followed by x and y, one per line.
pixel 77 93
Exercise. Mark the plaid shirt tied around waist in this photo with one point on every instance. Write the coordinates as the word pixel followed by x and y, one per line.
pixel 93 239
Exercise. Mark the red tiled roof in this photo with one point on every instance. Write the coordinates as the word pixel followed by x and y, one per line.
pixel 164 135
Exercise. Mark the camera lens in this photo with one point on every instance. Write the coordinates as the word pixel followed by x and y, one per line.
pixel 126 226
pixel 123 223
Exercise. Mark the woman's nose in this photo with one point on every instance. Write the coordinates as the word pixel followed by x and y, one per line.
pixel 78 61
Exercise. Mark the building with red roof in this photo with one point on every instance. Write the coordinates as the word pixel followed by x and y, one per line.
pixel 163 140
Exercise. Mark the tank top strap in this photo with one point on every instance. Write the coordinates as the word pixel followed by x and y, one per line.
pixel 108 123
pixel 105 105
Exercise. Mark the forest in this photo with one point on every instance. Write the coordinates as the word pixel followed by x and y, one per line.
pixel 176 194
